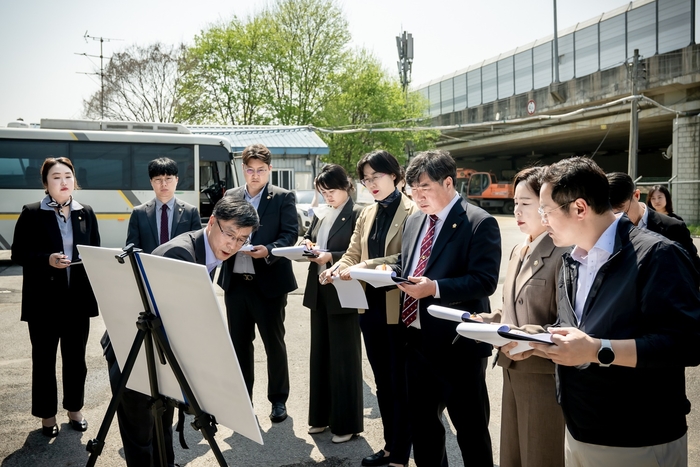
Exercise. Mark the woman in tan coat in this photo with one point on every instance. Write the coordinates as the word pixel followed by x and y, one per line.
pixel 377 241
pixel 532 424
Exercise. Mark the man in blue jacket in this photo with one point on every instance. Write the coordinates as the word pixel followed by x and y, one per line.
pixel 629 323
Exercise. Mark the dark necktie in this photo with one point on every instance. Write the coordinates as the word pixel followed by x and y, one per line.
pixel 410 304
pixel 164 235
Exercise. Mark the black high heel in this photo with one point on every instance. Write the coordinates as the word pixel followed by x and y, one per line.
pixel 50 431
pixel 81 425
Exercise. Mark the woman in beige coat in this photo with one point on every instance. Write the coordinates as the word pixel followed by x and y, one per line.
pixel 532 424
pixel 377 241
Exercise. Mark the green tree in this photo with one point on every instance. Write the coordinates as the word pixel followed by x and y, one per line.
pixel 371 100
pixel 309 39
pixel 140 84
pixel 225 79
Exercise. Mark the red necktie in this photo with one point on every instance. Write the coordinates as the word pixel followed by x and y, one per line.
pixel 164 236
pixel 410 304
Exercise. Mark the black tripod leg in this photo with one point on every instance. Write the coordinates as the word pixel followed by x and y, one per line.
pixel 96 445
pixel 158 406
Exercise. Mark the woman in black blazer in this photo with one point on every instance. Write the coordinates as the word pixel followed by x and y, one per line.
pixel 57 300
pixel 335 390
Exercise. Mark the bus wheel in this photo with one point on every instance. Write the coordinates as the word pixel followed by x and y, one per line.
pixel 508 207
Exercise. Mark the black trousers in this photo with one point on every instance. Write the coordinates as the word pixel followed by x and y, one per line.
pixel 459 387
pixel 385 347
pixel 335 388
pixel 72 334
pixel 247 307
pixel 136 423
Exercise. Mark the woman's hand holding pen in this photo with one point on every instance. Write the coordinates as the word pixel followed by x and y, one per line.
pixel 325 277
pixel 59 260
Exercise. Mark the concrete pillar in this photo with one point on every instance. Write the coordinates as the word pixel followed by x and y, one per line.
pixel 686 166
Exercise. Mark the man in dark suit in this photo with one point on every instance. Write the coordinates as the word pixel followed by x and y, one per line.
pixel 228 229
pixel 451 253
pixel 256 283
pixel 624 197
pixel 164 217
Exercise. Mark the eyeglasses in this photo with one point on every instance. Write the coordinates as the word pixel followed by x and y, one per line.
pixel 240 241
pixel 544 214
pixel 372 180
pixel 260 172
pixel 163 180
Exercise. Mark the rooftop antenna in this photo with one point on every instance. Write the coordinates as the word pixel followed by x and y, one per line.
pixel 102 40
pixel 404 44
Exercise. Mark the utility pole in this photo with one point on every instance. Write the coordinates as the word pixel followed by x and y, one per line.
pixel 634 117
pixel 101 73
pixel 555 59
pixel 404 44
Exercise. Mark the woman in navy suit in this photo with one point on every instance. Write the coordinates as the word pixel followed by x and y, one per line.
pixel 335 391
pixel 57 300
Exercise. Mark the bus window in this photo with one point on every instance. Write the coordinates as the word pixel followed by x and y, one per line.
pixel 101 166
pixel 20 161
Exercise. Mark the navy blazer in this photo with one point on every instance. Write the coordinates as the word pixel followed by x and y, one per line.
pixel 46 293
pixel 338 241
pixel 279 227
pixel 675 230
pixel 143 229
pixel 464 260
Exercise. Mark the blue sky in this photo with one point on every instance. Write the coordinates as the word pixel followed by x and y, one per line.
pixel 40 77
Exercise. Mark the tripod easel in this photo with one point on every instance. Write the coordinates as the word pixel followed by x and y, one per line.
pixel 150 330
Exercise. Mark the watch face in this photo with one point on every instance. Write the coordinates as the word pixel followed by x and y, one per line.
pixel 606 356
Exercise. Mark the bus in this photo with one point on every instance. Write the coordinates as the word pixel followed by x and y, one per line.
pixel 111 160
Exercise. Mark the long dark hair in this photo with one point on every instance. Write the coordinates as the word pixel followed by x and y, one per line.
pixel 667 194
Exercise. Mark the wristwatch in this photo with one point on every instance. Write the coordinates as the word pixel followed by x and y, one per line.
pixel 606 355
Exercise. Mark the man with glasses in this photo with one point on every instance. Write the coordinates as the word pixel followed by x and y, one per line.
pixel 164 217
pixel 256 283
pixel 450 253
pixel 228 229
pixel 628 325
pixel 624 197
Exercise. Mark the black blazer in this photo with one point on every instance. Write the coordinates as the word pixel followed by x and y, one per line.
pixel 279 227
pixel 143 230
pixel 46 293
pixel 465 260
pixel 338 241
pixel 675 230
pixel 188 246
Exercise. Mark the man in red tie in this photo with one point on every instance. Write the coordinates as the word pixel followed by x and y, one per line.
pixel 451 254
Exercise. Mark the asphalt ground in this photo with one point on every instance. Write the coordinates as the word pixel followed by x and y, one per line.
pixel 286 444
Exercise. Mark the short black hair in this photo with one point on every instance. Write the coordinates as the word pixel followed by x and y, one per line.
pixel 532 176
pixel 578 177
pixel 333 177
pixel 242 213
pixel 381 161
pixel 621 188
pixel 162 166
pixel 257 151
pixel 437 165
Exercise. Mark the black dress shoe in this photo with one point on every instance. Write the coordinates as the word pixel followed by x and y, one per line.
pixel 377 458
pixel 78 425
pixel 50 431
pixel 279 412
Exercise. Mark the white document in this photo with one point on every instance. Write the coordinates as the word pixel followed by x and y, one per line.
pixel 450 314
pixel 375 277
pixel 195 325
pixel 501 334
pixel 248 247
pixel 350 293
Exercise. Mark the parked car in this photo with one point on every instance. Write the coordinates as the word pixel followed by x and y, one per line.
pixel 304 209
